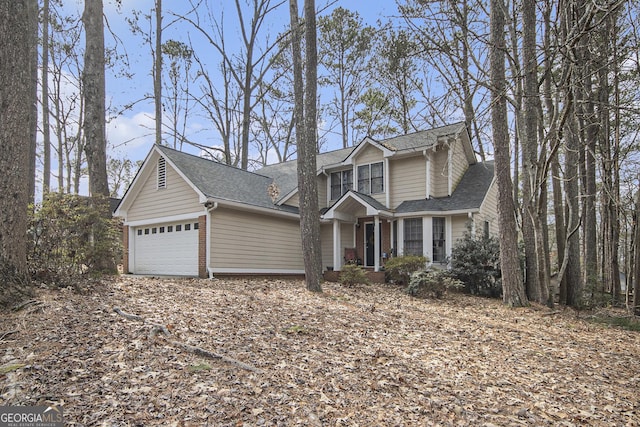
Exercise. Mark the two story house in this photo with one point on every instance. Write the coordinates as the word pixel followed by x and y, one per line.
pixel 411 194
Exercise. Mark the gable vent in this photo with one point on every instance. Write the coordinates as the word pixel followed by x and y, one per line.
pixel 162 173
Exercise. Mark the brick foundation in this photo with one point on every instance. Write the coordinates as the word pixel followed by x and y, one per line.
pixel 125 249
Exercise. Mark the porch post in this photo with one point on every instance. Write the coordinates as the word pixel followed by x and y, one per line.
pixel 337 244
pixel 400 238
pixel 376 246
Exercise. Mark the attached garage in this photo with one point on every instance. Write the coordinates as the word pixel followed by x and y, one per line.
pixel 166 248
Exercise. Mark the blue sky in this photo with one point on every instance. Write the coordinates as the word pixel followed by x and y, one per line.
pixel 131 134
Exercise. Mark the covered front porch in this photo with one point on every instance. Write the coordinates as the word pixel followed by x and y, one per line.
pixel 361 231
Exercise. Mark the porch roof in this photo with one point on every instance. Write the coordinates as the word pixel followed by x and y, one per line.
pixel 344 207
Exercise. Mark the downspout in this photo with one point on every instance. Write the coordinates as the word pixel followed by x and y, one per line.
pixel 210 206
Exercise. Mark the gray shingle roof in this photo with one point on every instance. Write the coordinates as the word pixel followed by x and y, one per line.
pixel 220 181
pixel 469 193
pixel 421 139
pixel 286 174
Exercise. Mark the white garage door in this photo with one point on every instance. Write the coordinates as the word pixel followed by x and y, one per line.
pixel 168 249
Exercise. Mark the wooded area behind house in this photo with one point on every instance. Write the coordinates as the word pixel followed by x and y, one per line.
pixel 569 128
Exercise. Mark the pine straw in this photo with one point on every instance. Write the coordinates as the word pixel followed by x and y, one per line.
pixel 350 356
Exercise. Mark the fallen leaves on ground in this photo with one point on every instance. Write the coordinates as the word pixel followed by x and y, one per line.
pixel 361 356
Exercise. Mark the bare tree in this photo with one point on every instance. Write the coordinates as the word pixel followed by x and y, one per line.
pixel 513 289
pixel 246 69
pixel 18 64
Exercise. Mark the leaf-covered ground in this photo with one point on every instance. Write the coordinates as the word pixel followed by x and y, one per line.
pixel 360 356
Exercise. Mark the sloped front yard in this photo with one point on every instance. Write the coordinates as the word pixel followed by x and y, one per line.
pixel 363 356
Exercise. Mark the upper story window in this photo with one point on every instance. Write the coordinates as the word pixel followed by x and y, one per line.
pixel 162 173
pixel 341 182
pixel 371 178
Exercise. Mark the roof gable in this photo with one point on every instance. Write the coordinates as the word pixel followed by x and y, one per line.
pixel 372 206
pixel 211 180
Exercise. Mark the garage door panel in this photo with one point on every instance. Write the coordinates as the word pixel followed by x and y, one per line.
pixel 168 249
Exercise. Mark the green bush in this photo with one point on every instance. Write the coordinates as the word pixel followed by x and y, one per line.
pixel 70 237
pixel 351 274
pixel 435 284
pixel 399 269
pixel 476 262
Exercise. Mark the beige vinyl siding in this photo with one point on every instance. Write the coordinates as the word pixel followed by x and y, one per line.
pixel 458 227
pixel 326 245
pixel 440 172
pixel 407 179
pixel 459 163
pixel 245 240
pixel 322 191
pixel 369 154
pixel 488 212
pixel 178 198
pixel 293 201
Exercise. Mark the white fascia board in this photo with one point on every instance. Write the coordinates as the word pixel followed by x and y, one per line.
pixel 436 213
pixel 165 219
pixel 251 208
pixel 367 141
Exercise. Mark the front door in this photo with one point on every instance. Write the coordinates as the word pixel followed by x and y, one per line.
pixel 370 243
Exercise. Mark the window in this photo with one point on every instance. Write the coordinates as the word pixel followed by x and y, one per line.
pixel 413 236
pixel 154 230
pixel 162 229
pixel 439 254
pixel 169 228
pixel 341 182
pixel 146 231
pixel 486 229
pixel 139 232
pixel 187 227
pixel 162 173
pixel 179 227
pixel 196 226
pixel 377 184
pixel 371 178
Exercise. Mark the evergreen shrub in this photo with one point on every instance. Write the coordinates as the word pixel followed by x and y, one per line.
pixel 476 262
pixel 399 269
pixel 352 274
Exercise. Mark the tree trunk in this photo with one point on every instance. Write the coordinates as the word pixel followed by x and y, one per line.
pixel 157 73
pixel 636 261
pixel 93 83
pixel 306 125
pixel 46 134
pixel 513 289
pixel 18 38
